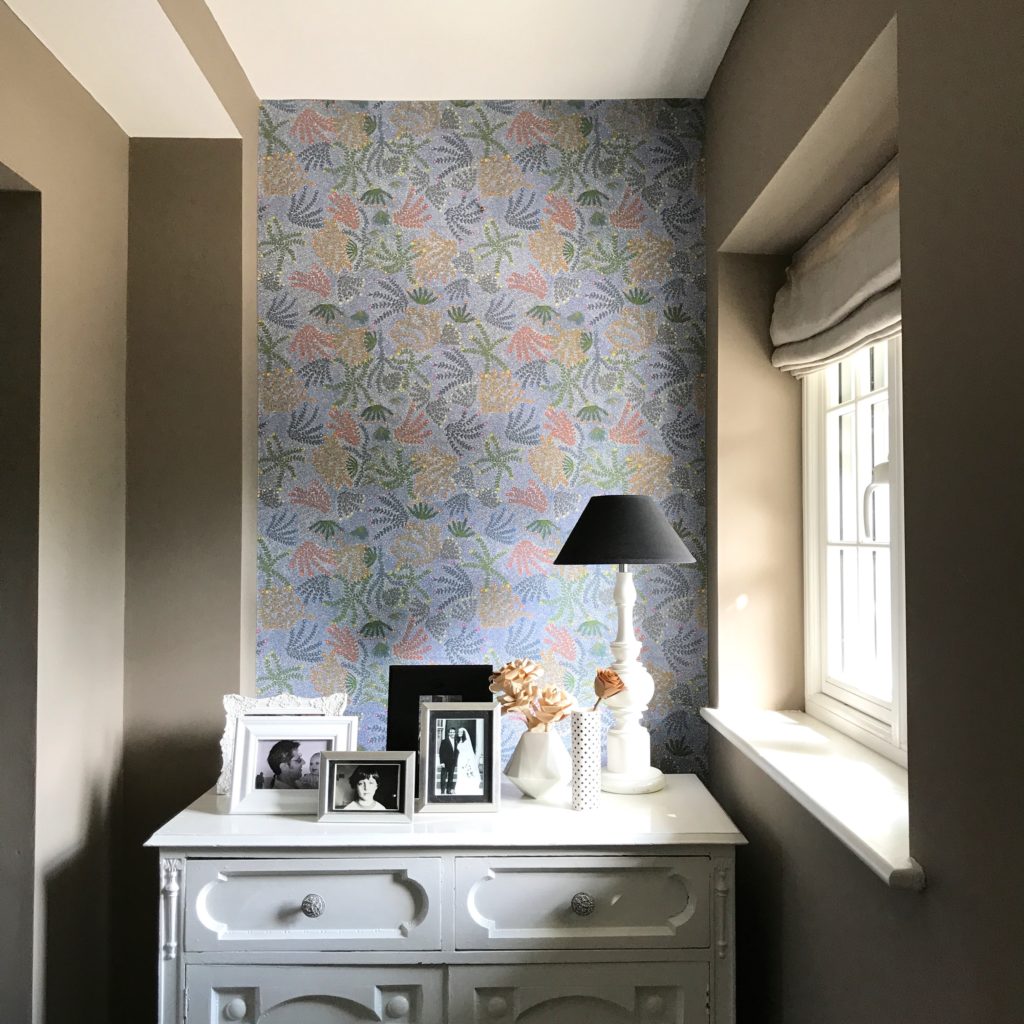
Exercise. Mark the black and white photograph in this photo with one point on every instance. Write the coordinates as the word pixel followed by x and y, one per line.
pixel 365 785
pixel 458 758
pixel 457 762
pixel 289 763
pixel 278 760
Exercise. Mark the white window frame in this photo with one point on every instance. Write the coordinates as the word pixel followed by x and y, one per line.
pixel 851 713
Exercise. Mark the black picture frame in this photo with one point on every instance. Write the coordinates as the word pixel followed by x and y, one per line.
pixel 410 686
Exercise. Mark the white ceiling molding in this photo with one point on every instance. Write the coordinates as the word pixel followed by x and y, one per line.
pixel 478 49
pixel 128 57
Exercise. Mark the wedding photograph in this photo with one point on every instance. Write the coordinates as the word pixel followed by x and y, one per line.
pixel 458 756
pixel 457 764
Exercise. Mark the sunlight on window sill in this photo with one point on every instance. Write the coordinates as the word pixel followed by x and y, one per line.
pixel 860 796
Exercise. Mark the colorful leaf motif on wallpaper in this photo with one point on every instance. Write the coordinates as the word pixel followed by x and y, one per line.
pixel 473 316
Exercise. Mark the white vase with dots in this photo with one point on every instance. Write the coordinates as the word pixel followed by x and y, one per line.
pixel 586 760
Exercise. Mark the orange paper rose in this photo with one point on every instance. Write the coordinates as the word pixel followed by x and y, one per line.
pixel 552 705
pixel 517 685
pixel 607 683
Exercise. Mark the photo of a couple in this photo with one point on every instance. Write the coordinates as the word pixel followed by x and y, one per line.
pixel 457 771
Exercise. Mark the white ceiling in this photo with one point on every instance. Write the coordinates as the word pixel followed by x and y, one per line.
pixel 478 49
pixel 127 55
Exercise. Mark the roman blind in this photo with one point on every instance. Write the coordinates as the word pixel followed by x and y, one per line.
pixel 842 289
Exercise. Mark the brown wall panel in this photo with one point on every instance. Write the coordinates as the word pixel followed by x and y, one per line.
pixel 20 258
pixel 820 937
pixel 183 543
pixel 54 135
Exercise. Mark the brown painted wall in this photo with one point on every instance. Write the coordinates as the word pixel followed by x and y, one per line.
pixel 200 32
pixel 820 938
pixel 20 259
pixel 190 619
pixel 184 488
pixel 55 136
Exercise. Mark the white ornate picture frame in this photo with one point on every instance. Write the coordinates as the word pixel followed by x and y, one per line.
pixel 235 706
pixel 255 733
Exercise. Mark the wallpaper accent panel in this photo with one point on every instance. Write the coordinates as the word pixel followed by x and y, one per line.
pixel 473 317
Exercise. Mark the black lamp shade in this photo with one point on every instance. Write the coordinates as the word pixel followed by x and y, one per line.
pixel 622 528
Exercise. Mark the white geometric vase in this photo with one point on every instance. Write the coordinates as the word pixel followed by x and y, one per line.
pixel 540 765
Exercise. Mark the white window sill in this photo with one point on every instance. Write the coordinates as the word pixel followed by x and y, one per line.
pixel 859 795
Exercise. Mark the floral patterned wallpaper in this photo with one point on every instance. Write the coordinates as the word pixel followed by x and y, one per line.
pixel 473 316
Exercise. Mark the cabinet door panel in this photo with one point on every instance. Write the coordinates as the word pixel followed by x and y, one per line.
pixel 355 903
pixel 531 902
pixel 314 995
pixel 642 993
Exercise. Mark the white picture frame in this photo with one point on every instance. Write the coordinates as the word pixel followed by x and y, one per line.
pixel 235 706
pixel 438 795
pixel 396 770
pixel 256 735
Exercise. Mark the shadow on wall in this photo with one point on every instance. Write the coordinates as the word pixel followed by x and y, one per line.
pixel 168 773
pixel 20 277
pixel 74 913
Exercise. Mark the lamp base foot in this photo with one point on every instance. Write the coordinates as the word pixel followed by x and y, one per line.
pixel 647 780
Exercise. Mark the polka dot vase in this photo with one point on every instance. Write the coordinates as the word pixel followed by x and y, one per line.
pixel 586 760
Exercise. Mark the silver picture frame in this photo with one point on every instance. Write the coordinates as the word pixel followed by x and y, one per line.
pixel 438 794
pixel 396 767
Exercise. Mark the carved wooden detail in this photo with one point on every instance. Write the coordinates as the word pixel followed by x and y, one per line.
pixel 721 911
pixel 170 897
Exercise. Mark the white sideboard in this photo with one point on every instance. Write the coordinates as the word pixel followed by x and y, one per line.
pixel 535 915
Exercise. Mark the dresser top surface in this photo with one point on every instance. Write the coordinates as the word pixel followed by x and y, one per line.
pixel 682 814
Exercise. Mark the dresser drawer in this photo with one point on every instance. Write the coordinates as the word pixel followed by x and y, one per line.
pixel 327 904
pixel 303 994
pixel 651 992
pixel 582 902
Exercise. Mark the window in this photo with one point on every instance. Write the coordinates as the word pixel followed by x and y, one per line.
pixel 853 558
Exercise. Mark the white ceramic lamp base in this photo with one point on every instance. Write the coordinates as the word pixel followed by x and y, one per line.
pixel 629 743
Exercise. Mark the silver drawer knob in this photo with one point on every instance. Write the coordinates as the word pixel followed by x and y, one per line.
pixel 497 1006
pixel 398 1006
pixel 235 1009
pixel 582 904
pixel 313 905
pixel 653 1005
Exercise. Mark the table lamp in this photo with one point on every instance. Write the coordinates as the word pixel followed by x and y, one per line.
pixel 622 529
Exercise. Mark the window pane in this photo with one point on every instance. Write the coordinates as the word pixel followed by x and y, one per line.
pixel 878 366
pixel 878 502
pixel 840 382
pixel 875 678
pixel 841 476
pixel 859 620
pixel 843 614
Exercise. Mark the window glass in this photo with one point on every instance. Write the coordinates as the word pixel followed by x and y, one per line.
pixel 850 516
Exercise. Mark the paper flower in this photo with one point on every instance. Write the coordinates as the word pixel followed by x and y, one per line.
pixel 552 705
pixel 517 685
pixel 607 683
